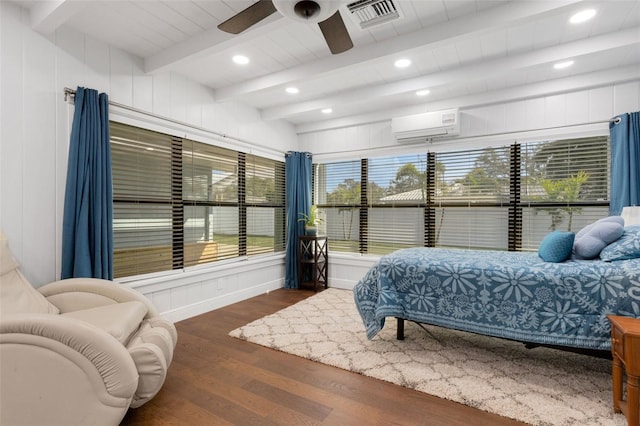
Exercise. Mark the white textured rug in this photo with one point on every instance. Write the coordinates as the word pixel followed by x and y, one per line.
pixel 539 386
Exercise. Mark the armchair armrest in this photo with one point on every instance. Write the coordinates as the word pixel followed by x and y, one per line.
pixel 77 373
pixel 74 294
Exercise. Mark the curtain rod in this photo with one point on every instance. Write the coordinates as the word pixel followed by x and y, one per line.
pixel 70 94
pixel 306 154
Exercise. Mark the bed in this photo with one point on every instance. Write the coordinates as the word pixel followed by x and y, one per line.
pixel 513 295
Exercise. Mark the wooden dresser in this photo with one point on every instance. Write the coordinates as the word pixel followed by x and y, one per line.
pixel 625 349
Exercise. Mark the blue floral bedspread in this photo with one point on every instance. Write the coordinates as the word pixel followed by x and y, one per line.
pixel 515 295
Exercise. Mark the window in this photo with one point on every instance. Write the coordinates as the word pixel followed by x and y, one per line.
pixel 210 194
pixel 337 188
pixel 565 186
pixel 502 198
pixel 396 194
pixel 264 201
pixel 142 201
pixel 471 199
pixel 179 203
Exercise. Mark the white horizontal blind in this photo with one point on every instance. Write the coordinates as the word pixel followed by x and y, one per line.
pixel 337 192
pixel 265 216
pixel 210 173
pixel 472 199
pixel 142 184
pixel 501 198
pixel 396 194
pixel 210 192
pixel 565 186
pixel 395 228
pixel 180 203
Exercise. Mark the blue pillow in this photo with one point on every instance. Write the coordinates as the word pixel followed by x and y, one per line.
pixel 627 247
pixel 556 246
pixel 591 239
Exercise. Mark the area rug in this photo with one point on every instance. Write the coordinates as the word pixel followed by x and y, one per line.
pixel 540 386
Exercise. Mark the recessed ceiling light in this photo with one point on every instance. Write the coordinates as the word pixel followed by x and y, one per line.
pixel 240 60
pixel 582 16
pixel 402 63
pixel 292 90
pixel 563 65
pixel 327 111
pixel 423 92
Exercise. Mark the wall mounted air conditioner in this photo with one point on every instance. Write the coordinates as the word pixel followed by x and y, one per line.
pixel 423 127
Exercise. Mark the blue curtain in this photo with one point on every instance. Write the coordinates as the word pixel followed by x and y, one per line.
pixel 87 229
pixel 298 184
pixel 625 162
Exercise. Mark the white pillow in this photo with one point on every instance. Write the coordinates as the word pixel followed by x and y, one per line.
pixel 591 239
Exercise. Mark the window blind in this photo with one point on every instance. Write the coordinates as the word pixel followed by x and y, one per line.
pixel 396 195
pixel 143 203
pixel 499 198
pixel 179 203
pixel 265 188
pixel 472 199
pixel 565 186
pixel 337 191
pixel 210 191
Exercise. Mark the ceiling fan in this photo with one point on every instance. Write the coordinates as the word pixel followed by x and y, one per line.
pixel 324 12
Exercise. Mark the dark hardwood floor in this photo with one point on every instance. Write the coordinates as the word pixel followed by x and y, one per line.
pixel 219 380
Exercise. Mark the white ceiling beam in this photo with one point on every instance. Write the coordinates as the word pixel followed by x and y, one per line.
pixel 46 16
pixel 207 43
pixel 529 91
pixel 433 37
pixel 468 73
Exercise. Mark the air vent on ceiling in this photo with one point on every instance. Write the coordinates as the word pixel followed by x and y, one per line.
pixel 368 13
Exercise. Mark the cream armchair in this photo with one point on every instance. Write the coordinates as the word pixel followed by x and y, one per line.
pixel 77 351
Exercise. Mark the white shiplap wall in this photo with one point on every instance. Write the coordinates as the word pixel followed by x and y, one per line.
pixel 582 112
pixel 572 114
pixel 34 135
pixel 34 131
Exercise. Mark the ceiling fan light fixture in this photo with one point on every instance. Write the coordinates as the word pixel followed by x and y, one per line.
pixel 324 13
pixel 307 10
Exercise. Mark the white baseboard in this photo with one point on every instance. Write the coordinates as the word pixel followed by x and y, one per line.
pixel 205 306
pixel 341 284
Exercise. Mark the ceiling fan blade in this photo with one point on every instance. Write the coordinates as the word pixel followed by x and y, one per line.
pixel 248 17
pixel 336 34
